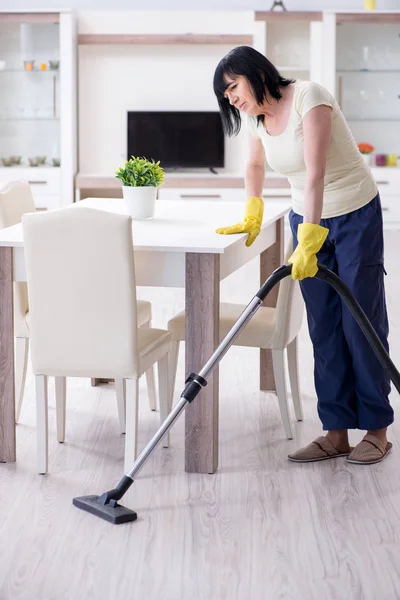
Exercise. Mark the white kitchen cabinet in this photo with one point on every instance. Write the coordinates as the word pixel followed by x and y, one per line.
pixel 368 80
pixel 225 195
pixel 388 180
pixel 45 183
pixel 38 103
pixel 361 55
pixel 220 194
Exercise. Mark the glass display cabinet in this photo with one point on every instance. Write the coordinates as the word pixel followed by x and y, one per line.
pixel 38 103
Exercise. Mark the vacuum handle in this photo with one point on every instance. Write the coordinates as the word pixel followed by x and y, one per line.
pixel 359 315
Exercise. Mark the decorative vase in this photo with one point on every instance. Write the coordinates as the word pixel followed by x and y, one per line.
pixel 367 158
pixel 140 201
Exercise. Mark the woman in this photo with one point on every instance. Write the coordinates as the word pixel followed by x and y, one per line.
pixel 298 127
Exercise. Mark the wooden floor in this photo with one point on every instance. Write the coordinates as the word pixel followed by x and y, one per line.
pixel 261 528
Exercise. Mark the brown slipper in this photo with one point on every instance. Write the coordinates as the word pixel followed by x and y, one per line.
pixel 319 449
pixel 369 451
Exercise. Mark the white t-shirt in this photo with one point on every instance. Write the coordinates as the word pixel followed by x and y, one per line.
pixel 349 183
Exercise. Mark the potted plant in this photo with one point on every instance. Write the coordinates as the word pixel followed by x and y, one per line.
pixel 366 150
pixel 140 179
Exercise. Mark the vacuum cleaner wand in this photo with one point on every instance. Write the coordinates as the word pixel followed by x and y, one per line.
pixel 106 506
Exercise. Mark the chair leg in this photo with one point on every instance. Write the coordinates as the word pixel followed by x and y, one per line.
pixel 120 388
pixel 42 430
pixel 61 401
pixel 150 380
pixel 278 363
pixel 151 388
pixel 164 393
pixel 172 368
pixel 132 414
pixel 21 364
pixel 294 379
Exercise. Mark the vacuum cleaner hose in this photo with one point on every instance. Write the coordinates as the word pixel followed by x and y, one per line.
pixel 359 315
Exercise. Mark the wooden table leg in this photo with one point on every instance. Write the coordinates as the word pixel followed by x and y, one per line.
pixel 7 384
pixel 270 259
pixel 202 338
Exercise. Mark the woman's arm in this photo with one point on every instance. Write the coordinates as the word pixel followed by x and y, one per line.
pixel 254 209
pixel 317 129
pixel 255 168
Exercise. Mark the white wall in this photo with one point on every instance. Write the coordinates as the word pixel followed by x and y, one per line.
pixel 115 79
pixel 191 4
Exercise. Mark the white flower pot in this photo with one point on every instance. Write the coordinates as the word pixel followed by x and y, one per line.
pixel 140 201
pixel 367 158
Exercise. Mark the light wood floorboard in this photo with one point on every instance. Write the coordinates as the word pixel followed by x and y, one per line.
pixel 260 528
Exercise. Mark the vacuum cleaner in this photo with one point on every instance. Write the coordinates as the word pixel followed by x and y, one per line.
pixel 107 505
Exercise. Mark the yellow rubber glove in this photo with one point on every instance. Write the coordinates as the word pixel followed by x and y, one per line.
pixel 251 224
pixel 304 259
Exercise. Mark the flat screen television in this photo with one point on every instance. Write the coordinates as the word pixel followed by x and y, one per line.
pixel 177 139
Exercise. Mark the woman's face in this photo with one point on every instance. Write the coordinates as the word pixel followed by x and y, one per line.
pixel 240 94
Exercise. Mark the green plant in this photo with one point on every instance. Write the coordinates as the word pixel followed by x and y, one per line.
pixel 140 172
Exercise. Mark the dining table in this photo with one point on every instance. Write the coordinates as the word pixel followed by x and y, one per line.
pixel 179 248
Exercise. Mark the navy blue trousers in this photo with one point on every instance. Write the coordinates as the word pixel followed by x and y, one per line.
pixel 351 385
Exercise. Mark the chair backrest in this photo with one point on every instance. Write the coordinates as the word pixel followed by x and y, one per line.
pixel 82 293
pixel 15 200
pixel 289 307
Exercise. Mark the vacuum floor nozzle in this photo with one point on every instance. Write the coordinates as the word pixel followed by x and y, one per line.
pixel 111 512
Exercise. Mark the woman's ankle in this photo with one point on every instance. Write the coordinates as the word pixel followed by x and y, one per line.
pixel 339 438
pixel 380 434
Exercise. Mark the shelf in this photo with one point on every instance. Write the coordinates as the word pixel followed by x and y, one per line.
pixel 372 120
pixel 22 168
pixel 388 18
pixel 294 69
pixel 274 16
pixel 52 71
pixel 6 119
pixel 175 38
pixel 368 70
pixel 37 17
pixel 179 180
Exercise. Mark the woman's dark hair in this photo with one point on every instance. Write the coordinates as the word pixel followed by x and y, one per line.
pixel 261 74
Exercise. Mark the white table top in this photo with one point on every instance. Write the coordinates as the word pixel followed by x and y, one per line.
pixel 178 226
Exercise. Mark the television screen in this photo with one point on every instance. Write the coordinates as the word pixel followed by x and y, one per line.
pixel 177 139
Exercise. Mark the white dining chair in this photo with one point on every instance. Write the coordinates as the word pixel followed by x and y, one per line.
pixel 15 200
pixel 83 315
pixel 275 329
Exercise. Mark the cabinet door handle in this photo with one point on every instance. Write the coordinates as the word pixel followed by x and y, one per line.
pixel 200 195
pixel 37 182
pixel 382 183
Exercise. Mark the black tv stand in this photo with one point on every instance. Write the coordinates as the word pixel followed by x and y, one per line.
pixel 187 170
